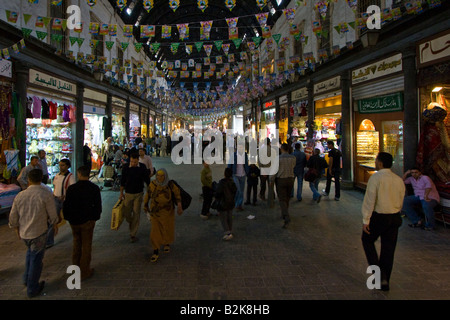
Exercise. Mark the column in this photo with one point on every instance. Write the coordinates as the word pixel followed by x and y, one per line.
pixel 411 108
pixel 108 128
pixel 310 88
pixel 79 129
pixel 346 144
pixel 127 119
pixel 22 74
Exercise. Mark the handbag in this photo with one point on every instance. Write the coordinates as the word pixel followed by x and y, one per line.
pixel 117 215
pixel 311 175
pixel 216 204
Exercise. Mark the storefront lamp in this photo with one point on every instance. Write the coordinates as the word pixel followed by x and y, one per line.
pixel 369 38
pixel 98 75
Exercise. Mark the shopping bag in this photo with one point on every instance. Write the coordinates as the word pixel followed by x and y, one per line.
pixel 63 221
pixel 117 215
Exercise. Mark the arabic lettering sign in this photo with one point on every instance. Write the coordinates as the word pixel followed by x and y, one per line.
pixel 5 68
pixel 331 84
pixel 388 103
pixel 48 81
pixel 378 69
pixel 434 50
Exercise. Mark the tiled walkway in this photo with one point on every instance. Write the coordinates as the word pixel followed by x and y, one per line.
pixel 319 256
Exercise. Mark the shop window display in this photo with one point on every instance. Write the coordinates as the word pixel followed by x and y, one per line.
pixel 49 127
pixel 367 144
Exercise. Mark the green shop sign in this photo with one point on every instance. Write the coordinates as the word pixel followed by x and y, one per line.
pixel 388 103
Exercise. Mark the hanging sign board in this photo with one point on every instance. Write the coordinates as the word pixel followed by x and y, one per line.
pixel 48 81
pixel 378 69
pixel 5 68
pixel 382 104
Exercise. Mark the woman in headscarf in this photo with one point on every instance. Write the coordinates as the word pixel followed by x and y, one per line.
pixel 162 211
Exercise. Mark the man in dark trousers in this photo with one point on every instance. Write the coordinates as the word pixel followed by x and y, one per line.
pixel 381 208
pixel 334 171
pixel 134 174
pixel 82 208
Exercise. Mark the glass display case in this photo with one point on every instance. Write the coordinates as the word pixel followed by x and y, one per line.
pixel 393 143
pixel 367 144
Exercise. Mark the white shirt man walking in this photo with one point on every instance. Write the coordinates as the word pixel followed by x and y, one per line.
pixel 381 216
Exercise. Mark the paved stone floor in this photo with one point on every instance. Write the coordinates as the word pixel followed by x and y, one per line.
pixel 319 257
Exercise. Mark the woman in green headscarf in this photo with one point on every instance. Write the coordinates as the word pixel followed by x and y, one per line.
pixel 162 212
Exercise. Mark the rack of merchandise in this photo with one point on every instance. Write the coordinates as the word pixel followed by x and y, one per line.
pixel 53 137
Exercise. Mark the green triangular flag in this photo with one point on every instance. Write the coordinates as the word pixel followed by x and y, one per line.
pixel 26 17
pixel 109 45
pixel 174 47
pixel 218 44
pixel 155 46
pixel 46 21
pixel 80 41
pixel 56 37
pixel 137 47
pixel 256 40
pixel 276 37
pixel 124 45
pixel 325 33
pixel 199 46
pixel 73 40
pixel 338 29
pixel 237 43
pixel 352 24
pixel 41 35
pixel 26 32
pixel 297 36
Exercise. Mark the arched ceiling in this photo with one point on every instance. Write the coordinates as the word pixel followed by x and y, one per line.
pixel 188 12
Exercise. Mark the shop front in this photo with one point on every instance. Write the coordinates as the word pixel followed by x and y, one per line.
pixel 118 126
pixel 95 122
pixel 268 120
pixel 283 122
pixel 433 61
pixel 135 122
pixel 299 109
pixel 144 127
pixel 327 113
pixel 50 118
pixel 377 94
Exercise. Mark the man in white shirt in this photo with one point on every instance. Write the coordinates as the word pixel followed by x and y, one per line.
pixel 61 182
pixel 32 209
pixel 22 179
pixel 381 208
pixel 146 160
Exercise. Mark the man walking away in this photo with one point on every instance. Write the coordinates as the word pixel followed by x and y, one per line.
pixel 334 171
pixel 381 216
pixel 299 169
pixel 285 181
pixel 82 207
pixel 30 212
pixel 134 175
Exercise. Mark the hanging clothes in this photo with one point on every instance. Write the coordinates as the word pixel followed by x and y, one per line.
pixel 45 109
pixel 37 107
pixel 5 99
pixel 53 109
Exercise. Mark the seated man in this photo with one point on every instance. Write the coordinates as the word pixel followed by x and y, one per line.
pixel 425 194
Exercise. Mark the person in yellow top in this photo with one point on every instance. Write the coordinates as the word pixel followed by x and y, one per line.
pixel 381 208
pixel 162 211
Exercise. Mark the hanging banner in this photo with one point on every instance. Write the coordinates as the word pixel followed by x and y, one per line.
pixel 388 103
pixel 230 4
pixel 202 4
pixel 174 4
pixel 166 32
pixel 148 5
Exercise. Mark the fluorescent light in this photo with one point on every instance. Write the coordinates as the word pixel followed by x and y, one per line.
pixel 437 89
pixel 129 11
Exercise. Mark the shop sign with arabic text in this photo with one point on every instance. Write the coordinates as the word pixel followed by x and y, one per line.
pixel 388 103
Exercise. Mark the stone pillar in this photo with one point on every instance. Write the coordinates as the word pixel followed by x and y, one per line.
pixel 77 159
pixel 411 109
pixel 127 119
pixel 310 88
pixel 108 128
pixel 22 74
pixel 346 144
